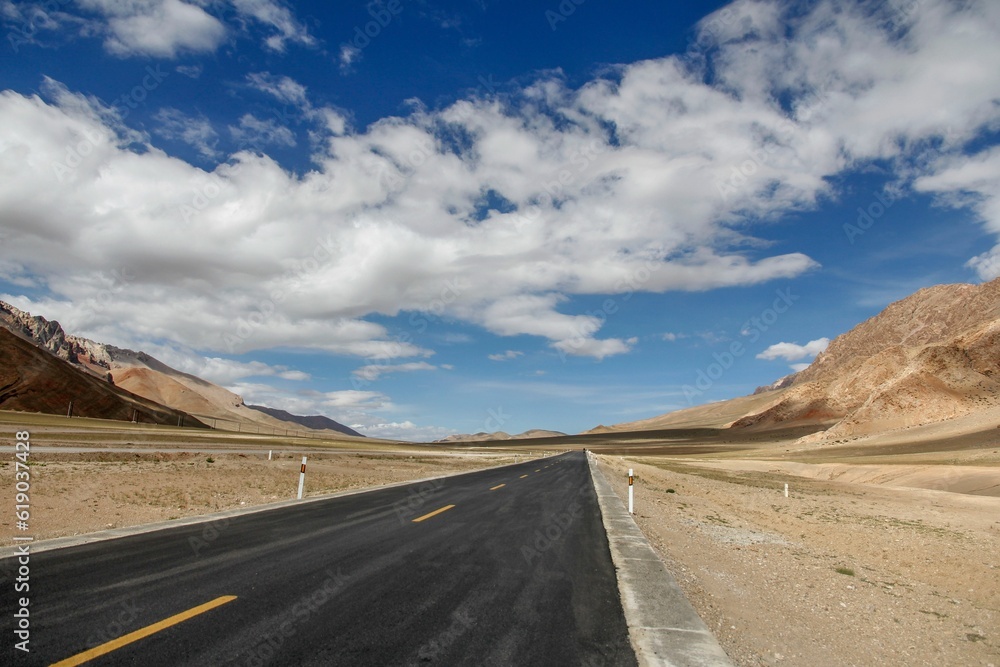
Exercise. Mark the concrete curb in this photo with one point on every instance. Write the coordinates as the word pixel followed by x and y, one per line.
pixel 663 626
pixel 115 533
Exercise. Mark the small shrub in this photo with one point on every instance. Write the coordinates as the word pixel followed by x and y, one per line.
pixel 671 491
pixel 845 570
pixel 209 460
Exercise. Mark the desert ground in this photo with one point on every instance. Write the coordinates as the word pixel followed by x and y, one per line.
pixel 885 552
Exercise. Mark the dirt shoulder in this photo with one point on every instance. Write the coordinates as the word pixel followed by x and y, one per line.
pixel 837 574
pixel 77 493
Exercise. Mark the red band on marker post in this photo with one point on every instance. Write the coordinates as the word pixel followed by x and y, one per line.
pixel 304 469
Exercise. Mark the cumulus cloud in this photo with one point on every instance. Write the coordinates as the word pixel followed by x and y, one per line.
pixel 161 28
pixel 649 178
pixel 794 351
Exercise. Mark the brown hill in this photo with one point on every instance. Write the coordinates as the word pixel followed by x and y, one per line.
pixel 34 380
pixel 930 357
pixel 712 415
pixel 215 405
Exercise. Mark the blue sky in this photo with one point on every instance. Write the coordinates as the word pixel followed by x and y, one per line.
pixel 423 218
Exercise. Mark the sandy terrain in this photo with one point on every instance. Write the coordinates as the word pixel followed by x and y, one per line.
pixel 840 573
pixel 84 492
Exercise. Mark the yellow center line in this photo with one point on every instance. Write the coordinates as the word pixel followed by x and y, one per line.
pixel 522 476
pixel 142 633
pixel 498 486
pixel 434 513
pixel 539 470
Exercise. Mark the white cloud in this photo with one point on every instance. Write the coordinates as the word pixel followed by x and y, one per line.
pixel 161 28
pixel 190 71
pixel 405 430
pixel 794 351
pixel 216 369
pixel 346 407
pixel 282 88
pixel 670 337
pixel 974 182
pixel 36 22
pixel 373 372
pixel 391 221
pixel 506 356
pixel 356 400
pixel 274 14
pixel 257 133
pixel 349 55
pixel 196 131
pixel 986 265
pixel 592 347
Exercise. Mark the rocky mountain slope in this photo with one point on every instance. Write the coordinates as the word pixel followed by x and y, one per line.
pixel 930 357
pixel 147 377
pixel 33 379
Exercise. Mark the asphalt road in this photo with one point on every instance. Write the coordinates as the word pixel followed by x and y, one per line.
pixel 516 572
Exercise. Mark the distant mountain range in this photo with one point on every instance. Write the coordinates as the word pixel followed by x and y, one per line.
pixel 318 422
pixel 499 435
pixel 931 357
pixel 42 369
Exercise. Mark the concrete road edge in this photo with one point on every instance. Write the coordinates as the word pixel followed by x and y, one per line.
pixel 663 626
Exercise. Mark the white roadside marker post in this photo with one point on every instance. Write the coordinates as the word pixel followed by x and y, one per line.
pixel 630 504
pixel 269 455
pixel 302 477
pixel 786 489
